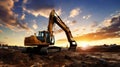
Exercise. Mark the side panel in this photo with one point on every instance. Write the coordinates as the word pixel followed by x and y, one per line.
pixel 33 41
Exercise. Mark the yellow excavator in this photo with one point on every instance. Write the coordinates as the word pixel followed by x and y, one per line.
pixel 44 39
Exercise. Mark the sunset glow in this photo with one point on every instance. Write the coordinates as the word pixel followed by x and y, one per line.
pixel 84 45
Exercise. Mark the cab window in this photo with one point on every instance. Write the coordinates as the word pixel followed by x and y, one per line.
pixel 41 34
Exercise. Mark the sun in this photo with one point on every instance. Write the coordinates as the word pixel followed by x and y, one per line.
pixel 84 45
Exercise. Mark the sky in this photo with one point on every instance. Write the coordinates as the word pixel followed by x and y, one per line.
pixel 94 22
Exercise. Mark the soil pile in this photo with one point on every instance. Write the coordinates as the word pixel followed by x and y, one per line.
pixel 15 58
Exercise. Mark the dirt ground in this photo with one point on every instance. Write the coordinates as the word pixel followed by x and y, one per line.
pixel 15 58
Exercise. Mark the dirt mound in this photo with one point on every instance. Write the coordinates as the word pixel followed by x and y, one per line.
pixel 15 58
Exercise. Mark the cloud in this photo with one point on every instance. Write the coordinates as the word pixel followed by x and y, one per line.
pixel 40 8
pixel 75 30
pixel 114 25
pixel 1 31
pixel 1 42
pixel 19 27
pixel 73 22
pixel 23 16
pixel 112 30
pixel 25 1
pixel 6 37
pixel 117 13
pixel 42 12
pixel 87 17
pixel 92 36
pixel 94 24
pixel 75 12
pixel 107 22
pixel 35 26
pixel 1 25
pixel 16 0
pixel 8 18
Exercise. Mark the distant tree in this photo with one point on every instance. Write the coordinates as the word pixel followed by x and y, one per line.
pixel 105 45
pixel 114 44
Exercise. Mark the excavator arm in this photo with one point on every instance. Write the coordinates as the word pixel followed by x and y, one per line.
pixel 54 18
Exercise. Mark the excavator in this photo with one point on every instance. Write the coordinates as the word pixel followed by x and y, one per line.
pixel 44 39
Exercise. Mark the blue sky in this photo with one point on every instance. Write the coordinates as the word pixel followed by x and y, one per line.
pixel 21 18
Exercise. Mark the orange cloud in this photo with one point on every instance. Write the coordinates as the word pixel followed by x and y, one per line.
pixel 1 31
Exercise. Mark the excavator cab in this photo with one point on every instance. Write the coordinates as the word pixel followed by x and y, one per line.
pixel 44 36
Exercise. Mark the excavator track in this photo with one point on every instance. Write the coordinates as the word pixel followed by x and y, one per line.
pixel 51 49
pixel 42 50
